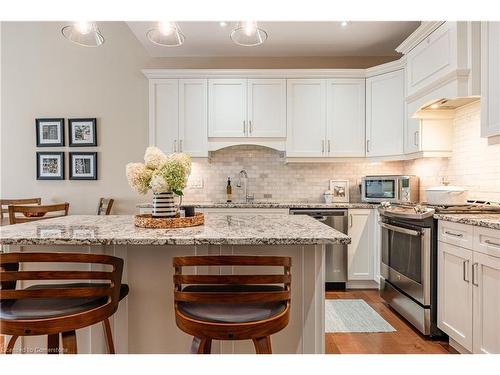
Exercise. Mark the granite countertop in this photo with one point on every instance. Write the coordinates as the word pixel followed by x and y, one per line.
pixel 267 204
pixel 481 220
pixel 218 229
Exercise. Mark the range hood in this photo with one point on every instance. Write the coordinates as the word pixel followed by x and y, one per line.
pixel 444 107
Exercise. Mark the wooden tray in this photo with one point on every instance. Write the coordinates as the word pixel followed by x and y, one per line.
pixel 147 221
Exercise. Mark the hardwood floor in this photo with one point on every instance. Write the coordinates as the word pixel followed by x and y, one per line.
pixel 406 340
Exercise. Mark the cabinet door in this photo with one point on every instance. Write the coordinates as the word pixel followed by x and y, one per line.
pixel 306 117
pixel 345 108
pixel 385 109
pixel 193 138
pixel 486 303
pixel 267 108
pixel 360 252
pixel 490 79
pixel 455 293
pixel 164 114
pixel 227 107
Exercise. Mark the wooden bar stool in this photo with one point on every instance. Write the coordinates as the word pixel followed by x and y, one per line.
pixel 53 309
pixel 105 205
pixel 232 307
pixel 4 203
pixel 30 213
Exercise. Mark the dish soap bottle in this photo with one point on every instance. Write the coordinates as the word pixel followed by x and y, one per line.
pixel 229 191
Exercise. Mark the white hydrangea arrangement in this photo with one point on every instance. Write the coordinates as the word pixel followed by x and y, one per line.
pixel 160 173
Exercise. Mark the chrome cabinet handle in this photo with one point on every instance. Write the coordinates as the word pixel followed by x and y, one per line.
pixel 400 229
pixel 454 234
pixel 465 265
pixel 415 138
pixel 244 128
pixel 367 145
pixel 328 146
pixel 492 243
pixel 250 126
pixel 350 220
pixel 180 145
pixel 474 273
pixel 175 145
pixel 323 146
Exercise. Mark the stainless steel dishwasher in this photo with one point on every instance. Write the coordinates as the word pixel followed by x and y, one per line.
pixel 335 255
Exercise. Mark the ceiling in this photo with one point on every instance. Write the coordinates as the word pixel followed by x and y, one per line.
pixel 285 39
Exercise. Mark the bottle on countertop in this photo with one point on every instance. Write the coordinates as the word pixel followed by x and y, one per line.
pixel 229 191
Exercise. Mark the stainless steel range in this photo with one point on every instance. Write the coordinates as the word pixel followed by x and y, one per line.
pixel 409 259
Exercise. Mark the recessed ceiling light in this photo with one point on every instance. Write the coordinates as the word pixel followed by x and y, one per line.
pixel 344 23
pixel 222 23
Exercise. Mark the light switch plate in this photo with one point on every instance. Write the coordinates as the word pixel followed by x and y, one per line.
pixel 196 183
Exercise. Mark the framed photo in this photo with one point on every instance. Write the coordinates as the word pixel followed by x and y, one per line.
pixel 83 165
pixel 49 132
pixel 340 190
pixel 49 165
pixel 82 132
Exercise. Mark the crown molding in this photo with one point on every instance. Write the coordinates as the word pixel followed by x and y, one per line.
pixel 386 68
pixel 422 32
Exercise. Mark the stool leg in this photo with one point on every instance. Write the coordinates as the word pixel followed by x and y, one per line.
pixel 53 344
pixel 69 342
pixel 109 336
pixel 201 346
pixel 262 345
pixel 10 345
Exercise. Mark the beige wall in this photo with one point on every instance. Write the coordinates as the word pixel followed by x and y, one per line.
pixel 44 75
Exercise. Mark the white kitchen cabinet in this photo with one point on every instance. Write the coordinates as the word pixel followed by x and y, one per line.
pixel 455 293
pixel 345 108
pixel 178 116
pixel 490 79
pixel 253 108
pixel 385 114
pixel 306 118
pixel 486 297
pixel 266 108
pixel 227 107
pixel 360 252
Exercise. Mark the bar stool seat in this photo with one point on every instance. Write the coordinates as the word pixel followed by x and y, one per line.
pixel 43 308
pixel 228 313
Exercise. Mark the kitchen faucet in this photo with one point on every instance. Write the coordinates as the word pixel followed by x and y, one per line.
pixel 244 175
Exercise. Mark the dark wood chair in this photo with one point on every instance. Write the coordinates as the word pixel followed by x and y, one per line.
pixel 30 213
pixel 5 203
pixel 232 307
pixel 105 205
pixel 53 309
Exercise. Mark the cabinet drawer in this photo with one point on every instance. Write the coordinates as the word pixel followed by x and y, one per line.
pixel 455 233
pixel 487 241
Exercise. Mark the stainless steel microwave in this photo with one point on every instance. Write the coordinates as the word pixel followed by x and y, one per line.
pixel 394 189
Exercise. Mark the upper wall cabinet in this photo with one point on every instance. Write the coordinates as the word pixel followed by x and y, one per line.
pixel 178 115
pixel 326 118
pixel 433 58
pixel 306 118
pixel 247 108
pixel 385 114
pixel 490 79
pixel 345 108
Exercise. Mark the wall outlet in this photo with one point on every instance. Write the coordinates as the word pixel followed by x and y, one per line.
pixel 196 183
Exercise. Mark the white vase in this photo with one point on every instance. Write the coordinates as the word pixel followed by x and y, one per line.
pixel 164 205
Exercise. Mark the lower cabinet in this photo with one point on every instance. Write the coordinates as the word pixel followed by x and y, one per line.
pixel 360 253
pixel 455 293
pixel 469 290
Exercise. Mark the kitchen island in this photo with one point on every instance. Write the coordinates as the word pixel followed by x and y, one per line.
pixel 144 322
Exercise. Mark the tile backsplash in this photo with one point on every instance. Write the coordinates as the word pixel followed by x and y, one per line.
pixel 474 164
pixel 270 178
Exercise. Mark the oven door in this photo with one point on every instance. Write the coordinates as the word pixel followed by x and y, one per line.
pixel 405 259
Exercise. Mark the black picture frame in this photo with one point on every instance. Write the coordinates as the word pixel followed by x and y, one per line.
pixel 39 122
pixel 71 132
pixel 39 172
pixel 93 166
